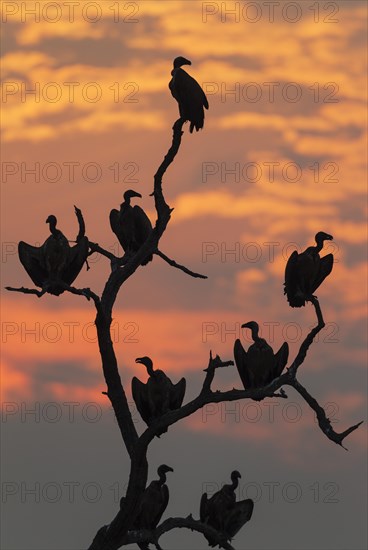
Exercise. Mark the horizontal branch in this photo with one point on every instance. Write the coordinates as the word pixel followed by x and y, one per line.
pixel 86 292
pixel 24 290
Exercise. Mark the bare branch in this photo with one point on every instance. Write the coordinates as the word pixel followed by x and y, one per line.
pixel 178 266
pixel 213 364
pixel 86 292
pixel 323 422
pixel 169 524
pixel 24 290
pixel 94 247
pixel 307 342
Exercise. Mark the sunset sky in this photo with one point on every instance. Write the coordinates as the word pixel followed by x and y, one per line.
pixel 87 114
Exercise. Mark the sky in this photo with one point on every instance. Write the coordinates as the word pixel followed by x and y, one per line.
pixel 86 115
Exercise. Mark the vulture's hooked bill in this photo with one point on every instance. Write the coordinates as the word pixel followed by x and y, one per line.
pixel 259 365
pixel 223 513
pixel 306 271
pixel 189 95
pixel 153 504
pixel 131 225
pixel 55 261
pixel 159 395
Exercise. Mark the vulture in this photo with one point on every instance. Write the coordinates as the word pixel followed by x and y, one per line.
pixel 153 504
pixel 223 513
pixel 189 95
pixel 159 395
pixel 259 365
pixel 55 261
pixel 306 271
pixel 131 225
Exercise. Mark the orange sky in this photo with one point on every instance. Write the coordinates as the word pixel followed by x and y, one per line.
pixel 87 114
pixel 220 204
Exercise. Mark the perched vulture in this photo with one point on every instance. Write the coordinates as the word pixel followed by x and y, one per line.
pixel 159 395
pixel 131 225
pixel 55 261
pixel 189 95
pixel 259 365
pixel 153 504
pixel 223 513
pixel 306 271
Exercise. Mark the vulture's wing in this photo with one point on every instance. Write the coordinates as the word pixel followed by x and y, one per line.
pixel 77 256
pixel 238 516
pixel 325 268
pixel 281 358
pixel 203 509
pixel 115 223
pixel 241 361
pixel 32 259
pixel 139 393
pixel 292 286
pixel 177 394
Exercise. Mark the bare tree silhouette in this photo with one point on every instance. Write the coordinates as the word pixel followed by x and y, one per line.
pixel 125 528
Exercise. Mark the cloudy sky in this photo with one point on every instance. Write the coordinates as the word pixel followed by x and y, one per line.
pixel 87 114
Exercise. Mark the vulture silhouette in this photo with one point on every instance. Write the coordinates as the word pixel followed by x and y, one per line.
pixel 153 504
pixel 131 225
pixel 189 95
pixel 306 271
pixel 55 264
pixel 259 365
pixel 223 513
pixel 158 395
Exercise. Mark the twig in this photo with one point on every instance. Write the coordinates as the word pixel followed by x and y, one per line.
pixel 178 266
pixel 24 290
pixel 86 292
pixel 97 248
pixel 213 364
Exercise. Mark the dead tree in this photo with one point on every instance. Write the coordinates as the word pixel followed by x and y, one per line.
pixel 120 531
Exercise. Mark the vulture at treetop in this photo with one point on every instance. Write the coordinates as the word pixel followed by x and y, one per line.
pixel 223 513
pixel 189 95
pixel 131 225
pixel 159 395
pixel 259 365
pixel 306 271
pixel 55 261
